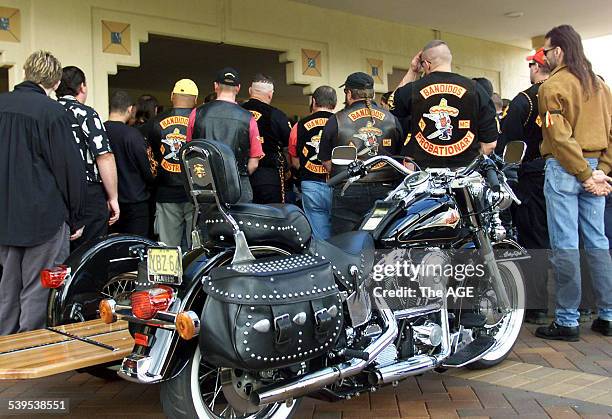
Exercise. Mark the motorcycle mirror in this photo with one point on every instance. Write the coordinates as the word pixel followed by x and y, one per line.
pixel 344 155
pixel 514 152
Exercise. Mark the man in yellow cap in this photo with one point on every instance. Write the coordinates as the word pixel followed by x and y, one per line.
pixel 166 134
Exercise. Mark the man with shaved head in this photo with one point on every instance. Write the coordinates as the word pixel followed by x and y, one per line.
pixel 449 118
pixel 269 180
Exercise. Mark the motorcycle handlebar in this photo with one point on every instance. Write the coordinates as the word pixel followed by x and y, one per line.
pixel 492 179
pixel 338 178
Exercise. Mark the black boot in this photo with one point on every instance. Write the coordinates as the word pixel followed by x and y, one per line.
pixel 602 326
pixel 556 332
pixel 535 317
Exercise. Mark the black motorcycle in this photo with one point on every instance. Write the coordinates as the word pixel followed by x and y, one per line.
pixel 259 313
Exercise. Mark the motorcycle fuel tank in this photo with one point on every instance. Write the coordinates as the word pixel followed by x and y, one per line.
pixel 427 219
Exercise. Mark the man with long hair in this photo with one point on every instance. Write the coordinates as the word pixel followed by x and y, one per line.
pixel 576 109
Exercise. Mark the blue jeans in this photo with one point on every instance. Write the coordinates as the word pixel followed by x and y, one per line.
pixel 317 201
pixel 570 209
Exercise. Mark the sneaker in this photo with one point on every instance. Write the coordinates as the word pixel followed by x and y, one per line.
pixel 556 332
pixel 535 317
pixel 602 326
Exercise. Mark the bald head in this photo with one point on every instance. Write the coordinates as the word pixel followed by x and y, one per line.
pixel 438 55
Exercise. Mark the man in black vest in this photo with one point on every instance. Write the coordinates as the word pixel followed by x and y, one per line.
pixel 269 180
pixel 304 143
pixel 167 133
pixel 523 123
pixel 225 121
pixel 450 118
pixel 373 131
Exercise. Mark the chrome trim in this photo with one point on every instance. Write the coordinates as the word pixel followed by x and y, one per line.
pixel 417 364
pixel 308 383
pixel 140 374
pixel 410 313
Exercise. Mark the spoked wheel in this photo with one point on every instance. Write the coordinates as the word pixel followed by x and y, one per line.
pixel 202 391
pixel 504 327
pixel 119 288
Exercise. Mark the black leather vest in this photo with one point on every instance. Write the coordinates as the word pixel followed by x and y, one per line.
pixel 227 123
pixel 444 124
pixel 372 134
pixel 272 145
pixel 532 126
pixel 309 132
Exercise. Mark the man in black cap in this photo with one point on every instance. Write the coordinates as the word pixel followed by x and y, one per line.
pixel 269 180
pixel 225 121
pixel 372 131
pixel 449 118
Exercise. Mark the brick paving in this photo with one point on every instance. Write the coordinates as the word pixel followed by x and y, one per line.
pixel 528 385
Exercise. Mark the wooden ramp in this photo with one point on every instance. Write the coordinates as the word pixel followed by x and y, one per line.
pixel 41 353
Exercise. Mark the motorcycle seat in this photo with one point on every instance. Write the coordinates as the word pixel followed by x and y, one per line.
pixel 284 225
pixel 354 248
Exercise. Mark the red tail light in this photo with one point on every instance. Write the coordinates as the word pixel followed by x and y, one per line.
pixel 146 304
pixel 140 339
pixel 54 277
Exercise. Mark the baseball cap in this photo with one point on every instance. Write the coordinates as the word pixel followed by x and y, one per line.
pixel 228 76
pixel 185 87
pixel 359 80
pixel 536 56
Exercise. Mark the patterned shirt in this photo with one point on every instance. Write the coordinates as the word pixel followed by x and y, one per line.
pixel 89 134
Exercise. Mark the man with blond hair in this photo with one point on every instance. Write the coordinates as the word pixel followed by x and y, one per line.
pixel 42 184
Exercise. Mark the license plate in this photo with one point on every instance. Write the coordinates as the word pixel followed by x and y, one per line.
pixel 164 265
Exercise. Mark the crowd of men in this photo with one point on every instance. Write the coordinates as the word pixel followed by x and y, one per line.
pixel 67 178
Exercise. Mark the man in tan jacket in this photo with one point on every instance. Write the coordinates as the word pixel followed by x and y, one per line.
pixel 576 109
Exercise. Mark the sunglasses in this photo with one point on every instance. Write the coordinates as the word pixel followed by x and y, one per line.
pixel 546 51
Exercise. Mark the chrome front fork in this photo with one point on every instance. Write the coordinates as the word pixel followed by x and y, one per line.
pixel 496 279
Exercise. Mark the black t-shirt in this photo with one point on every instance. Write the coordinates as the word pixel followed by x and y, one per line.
pixel 166 134
pixel 133 167
pixel 467 99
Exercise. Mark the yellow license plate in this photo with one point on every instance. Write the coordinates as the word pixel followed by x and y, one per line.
pixel 164 265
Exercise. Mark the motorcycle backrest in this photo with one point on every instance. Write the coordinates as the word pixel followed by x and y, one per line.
pixel 344 155
pixel 514 152
pixel 211 171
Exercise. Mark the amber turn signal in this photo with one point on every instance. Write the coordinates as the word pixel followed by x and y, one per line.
pixel 187 324
pixel 107 311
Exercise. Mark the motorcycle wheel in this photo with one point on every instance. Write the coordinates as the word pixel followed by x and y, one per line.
pixel 504 328
pixel 197 392
pixel 118 288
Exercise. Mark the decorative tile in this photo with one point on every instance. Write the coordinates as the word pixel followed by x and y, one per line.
pixel 116 38
pixel 10 24
pixel 311 62
pixel 375 69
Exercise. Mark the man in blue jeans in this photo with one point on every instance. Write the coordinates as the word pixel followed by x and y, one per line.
pixel 304 151
pixel 576 110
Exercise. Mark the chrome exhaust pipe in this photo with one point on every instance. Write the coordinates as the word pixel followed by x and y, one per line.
pixel 417 364
pixel 308 383
pixel 396 372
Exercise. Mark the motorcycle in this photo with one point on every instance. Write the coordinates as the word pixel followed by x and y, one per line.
pixel 259 313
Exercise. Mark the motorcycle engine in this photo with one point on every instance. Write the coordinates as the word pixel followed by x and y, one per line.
pixel 418 277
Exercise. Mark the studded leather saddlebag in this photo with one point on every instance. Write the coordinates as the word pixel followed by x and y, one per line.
pixel 270 313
